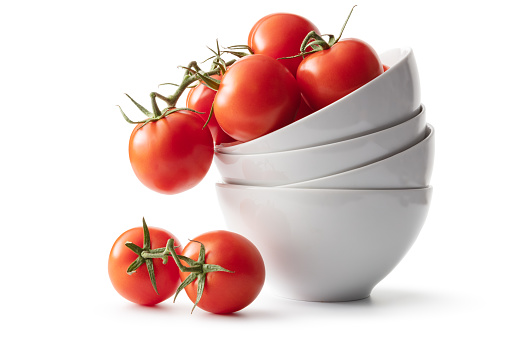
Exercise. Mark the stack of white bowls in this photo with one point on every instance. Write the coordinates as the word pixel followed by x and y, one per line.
pixel 335 200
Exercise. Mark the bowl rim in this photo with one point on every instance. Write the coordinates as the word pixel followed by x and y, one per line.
pixel 420 114
pixel 222 185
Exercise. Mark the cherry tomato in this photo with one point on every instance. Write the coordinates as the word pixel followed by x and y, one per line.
pixel 137 287
pixel 200 98
pixel 226 292
pixel 257 95
pixel 280 35
pixel 330 74
pixel 172 154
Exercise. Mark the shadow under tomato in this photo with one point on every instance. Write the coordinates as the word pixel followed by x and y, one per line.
pixel 245 314
pixel 158 308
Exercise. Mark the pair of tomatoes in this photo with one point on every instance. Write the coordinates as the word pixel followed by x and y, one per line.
pixel 224 292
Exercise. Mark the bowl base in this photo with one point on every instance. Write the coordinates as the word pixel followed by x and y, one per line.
pixel 342 298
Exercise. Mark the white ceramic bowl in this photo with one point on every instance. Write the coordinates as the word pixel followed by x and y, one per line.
pixel 410 168
pixel 326 244
pixel 282 168
pixel 389 99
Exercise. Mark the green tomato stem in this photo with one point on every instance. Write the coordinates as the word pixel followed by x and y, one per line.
pixel 344 25
pixel 315 41
pixel 155 108
pixel 191 75
pixel 198 270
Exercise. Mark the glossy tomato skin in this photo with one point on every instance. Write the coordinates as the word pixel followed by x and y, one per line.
pixel 227 292
pixel 200 98
pixel 329 75
pixel 173 154
pixel 280 35
pixel 257 95
pixel 137 287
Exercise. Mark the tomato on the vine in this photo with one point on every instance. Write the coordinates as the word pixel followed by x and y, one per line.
pixel 200 99
pixel 335 68
pixel 280 35
pixel 172 154
pixel 137 286
pixel 225 292
pixel 328 75
pixel 257 95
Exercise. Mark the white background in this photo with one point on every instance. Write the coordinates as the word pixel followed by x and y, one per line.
pixel 67 188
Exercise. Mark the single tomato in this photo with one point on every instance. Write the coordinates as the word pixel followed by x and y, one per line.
pixel 172 154
pixel 280 35
pixel 328 75
pixel 137 287
pixel 201 98
pixel 257 95
pixel 225 292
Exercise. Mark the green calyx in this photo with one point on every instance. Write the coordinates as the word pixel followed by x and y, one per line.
pixel 141 258
pixel 198 269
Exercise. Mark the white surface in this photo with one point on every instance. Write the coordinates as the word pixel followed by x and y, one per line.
pixel 326 244
pixel 67 189
pixel 288 167
pixel 387 100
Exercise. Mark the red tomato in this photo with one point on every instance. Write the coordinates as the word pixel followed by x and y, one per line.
pixel 200 98
pixel 226 292
pixel 330 74
pixel 257 95
pixel 172 154
pixel 385 67
pixel 137 286
pixel 280 35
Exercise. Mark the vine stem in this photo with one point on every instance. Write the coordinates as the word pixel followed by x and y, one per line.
pixel 155 108
pixel 193 73
pixel 316 39
pixel 344 25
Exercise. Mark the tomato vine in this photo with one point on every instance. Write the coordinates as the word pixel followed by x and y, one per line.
pixel 198 269
pixel 193 73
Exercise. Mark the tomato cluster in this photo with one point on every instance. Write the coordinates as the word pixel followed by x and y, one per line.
pixel 288 72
